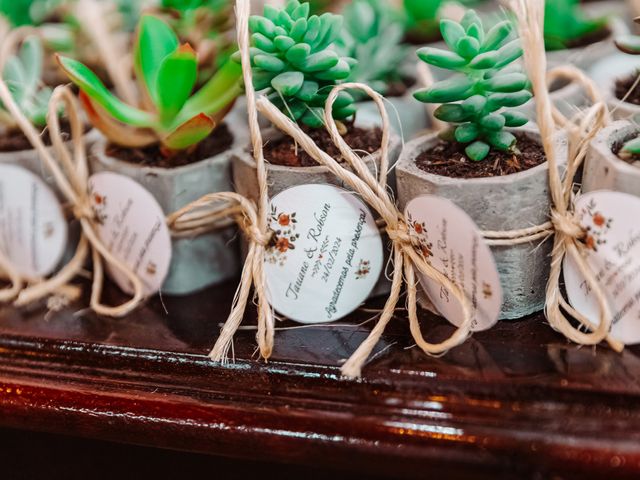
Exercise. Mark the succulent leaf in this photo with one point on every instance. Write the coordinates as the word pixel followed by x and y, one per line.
pixel 299 72
pixel 487 83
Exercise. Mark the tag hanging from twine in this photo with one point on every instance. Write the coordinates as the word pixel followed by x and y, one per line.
pixel 568 232
pixel 71 177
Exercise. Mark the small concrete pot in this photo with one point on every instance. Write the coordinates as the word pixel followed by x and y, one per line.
pixel 30 159
pixel 203 260
pixel 603 169
pixel 281 177
pixel 502 203
pixel 606 72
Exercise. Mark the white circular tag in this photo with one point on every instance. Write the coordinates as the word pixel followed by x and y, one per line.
pixel 326 254
pixel 132 226
pixel 33 230
pixel 451 242
pixel 611 220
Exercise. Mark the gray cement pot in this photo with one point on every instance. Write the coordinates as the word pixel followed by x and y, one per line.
pixel 603 169
pixel 30 159
pixel 280 178
pixel 203 260
pixel 500 203
pixel 567 99
pixel 606 72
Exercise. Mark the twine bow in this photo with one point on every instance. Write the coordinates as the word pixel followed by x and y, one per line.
pixel 581 130
pixel 71 176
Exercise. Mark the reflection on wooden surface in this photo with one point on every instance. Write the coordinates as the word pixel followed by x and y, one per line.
pixel 516 400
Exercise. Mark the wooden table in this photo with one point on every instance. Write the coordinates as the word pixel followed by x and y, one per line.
pixel 516 401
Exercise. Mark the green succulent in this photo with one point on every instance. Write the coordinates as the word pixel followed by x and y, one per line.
pixel 474 98
pixel 23 75
pixel 58 35
pixel 565 22
pixel 374 39
pixel 166 72
pixel 293 60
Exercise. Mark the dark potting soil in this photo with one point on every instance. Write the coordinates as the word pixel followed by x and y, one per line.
pixel 220 140
pixel 14 140
pixel 624 85
pixel 449 160
pixel 590 38
pixel 285 152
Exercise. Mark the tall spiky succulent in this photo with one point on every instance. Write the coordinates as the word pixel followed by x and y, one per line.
pixel 475 97
pixel 23 75
pixel 373 37
pixel 565 22
pixel 175 117
pixel 293 60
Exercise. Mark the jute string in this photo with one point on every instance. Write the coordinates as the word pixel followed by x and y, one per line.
pixel 71 176
pixel 568 232
pixel 255 222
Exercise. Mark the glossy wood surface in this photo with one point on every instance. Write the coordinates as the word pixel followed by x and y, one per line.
pixel 517 401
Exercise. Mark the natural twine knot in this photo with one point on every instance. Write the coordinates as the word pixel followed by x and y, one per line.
pixel 83 210
pixel 567 224
pixel 400 234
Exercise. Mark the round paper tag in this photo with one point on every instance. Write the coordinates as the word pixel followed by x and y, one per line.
pixel 132 226
pixel 451 242
pixel 326 254
pixel 33 230
pixel 613 252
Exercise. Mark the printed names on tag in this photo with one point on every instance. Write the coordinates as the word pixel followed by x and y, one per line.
pixel 325 256
pixel 451 242
pixel 612 224
pixel 132 226
pixel 33 230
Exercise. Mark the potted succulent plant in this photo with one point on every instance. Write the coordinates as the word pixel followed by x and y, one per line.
pixel 373 37
pixel 23 76
pixel 617 76
pixel 295 65
pixel 487 163
pixel 177 144
pixel 613 159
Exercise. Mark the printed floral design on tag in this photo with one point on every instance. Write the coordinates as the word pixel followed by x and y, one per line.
pixel 418 230
pixel 283 226
pixel 596 226
pixel 364 267
pixel 99 205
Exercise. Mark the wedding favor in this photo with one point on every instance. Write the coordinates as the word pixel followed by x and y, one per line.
pixel 178 150
pixel 489 163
